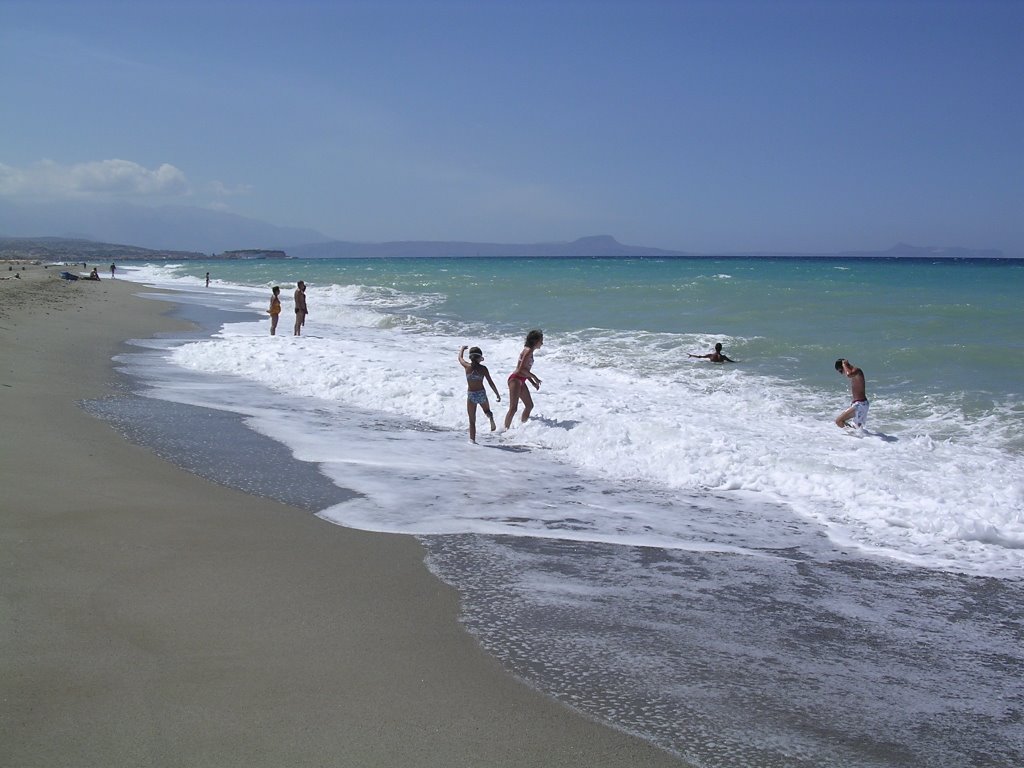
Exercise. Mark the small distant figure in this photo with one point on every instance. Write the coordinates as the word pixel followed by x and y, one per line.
pixel 275 308
pixel 113 269
pixel 517 389
pixel 476 374
pixel 715 357
pixel 94 275
pixel 857 413
pixel 300 307
pixel 207 279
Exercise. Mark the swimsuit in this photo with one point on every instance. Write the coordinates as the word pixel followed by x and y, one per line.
pixel 522 376
pixel 478 396
pixel 474 376
pixel 860 412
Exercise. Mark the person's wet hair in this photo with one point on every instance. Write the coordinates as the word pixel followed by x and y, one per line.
pixel 533 337
pixel 839 364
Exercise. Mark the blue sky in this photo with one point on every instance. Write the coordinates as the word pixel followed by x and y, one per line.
pixel 699 126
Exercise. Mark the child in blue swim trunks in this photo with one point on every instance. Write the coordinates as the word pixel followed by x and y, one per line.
pixel 476 373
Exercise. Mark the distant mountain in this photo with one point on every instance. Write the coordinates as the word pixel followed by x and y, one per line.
pixel 176 227
pixel 904 251
pixel 72 250
pixel 597 245
pixel 898 251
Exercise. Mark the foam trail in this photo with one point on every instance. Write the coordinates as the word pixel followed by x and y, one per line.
pixel 650 433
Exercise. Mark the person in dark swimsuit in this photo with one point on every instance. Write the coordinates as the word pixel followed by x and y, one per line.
pixel 715 357
pixel 476 374
pixel 300 307
pixel 517 389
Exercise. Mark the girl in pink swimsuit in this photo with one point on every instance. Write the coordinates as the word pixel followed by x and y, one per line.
pixel 517 389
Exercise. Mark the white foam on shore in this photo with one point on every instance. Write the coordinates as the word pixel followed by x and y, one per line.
pixel 624 447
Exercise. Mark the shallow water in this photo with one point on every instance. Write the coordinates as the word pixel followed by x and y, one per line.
pixel 690 551
pixel 791 658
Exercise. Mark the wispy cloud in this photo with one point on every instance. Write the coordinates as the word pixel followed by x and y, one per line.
pixel 221 190
pixel 98 180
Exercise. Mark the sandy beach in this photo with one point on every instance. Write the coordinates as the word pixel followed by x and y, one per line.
pixel 153 618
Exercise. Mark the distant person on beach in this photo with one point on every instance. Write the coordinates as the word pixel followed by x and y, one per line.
pixel 94 275
pixel 113 268
pixel 517 389
pixel 275 308
pixel 715 357
pixel 476 374
pixel 207 279
pixel 300 308
pixel 857 414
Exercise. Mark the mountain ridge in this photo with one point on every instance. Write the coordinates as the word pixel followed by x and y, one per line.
pixel 591 245
pixel 167 227
pixel 594 246
pixel 192 232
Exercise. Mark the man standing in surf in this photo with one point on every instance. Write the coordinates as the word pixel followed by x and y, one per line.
pixel 300 307
pixel 858 410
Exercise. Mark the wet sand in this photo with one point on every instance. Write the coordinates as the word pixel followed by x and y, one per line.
pixel 150 617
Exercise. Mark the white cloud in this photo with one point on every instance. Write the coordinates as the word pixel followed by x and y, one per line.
pixel 99 179
pixel 220 189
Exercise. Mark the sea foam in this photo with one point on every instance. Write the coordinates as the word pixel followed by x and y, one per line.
pixel 630 443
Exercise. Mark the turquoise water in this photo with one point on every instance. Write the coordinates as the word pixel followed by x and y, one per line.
pixel 690 551
pixel 935 326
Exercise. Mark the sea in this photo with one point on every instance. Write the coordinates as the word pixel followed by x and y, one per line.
pixel 688 551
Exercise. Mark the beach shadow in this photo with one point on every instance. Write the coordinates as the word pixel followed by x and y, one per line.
pixel 509 448
pixel 880 435
pixel 566 424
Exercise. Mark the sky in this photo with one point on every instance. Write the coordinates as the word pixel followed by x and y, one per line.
pixel 699 126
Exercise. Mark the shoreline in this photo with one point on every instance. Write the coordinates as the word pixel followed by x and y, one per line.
pixel 154 617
